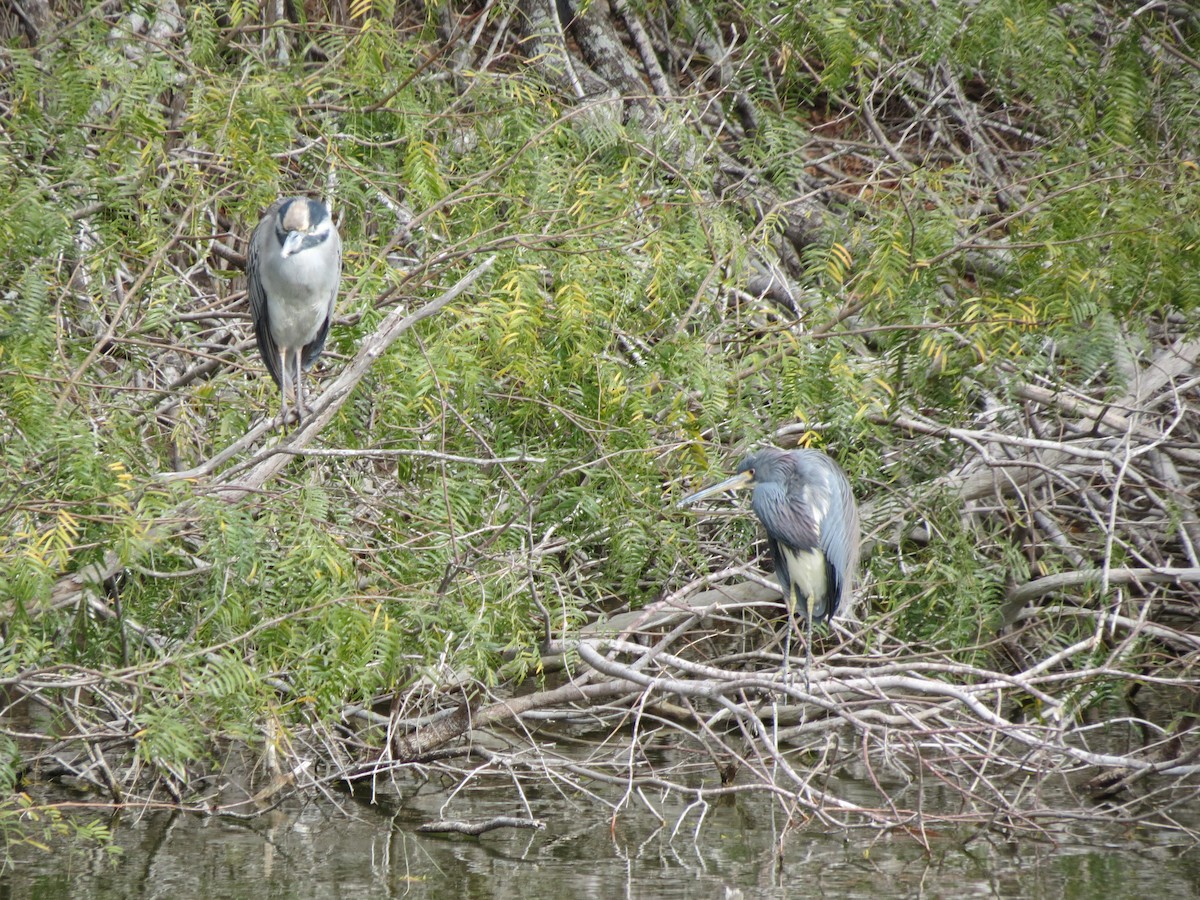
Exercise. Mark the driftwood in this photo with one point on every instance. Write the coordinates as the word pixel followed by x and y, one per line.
pixel 478 828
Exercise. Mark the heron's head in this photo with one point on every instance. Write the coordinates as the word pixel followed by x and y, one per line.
pixel 751 471
pixel 302 223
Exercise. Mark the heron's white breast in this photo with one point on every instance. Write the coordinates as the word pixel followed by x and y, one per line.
pixel 806 569
pixel 300 293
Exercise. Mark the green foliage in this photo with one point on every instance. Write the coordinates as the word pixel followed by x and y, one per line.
pixel 1108 244
pixel 612 341
pixel 949 591
pixel 166 738
pixel 27 824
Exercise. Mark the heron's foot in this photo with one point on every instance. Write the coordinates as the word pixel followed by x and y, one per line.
pixel 288 417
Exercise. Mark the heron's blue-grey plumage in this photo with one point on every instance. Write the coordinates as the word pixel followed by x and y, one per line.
pixel 804 501
pixel 806 506
pixel 293 274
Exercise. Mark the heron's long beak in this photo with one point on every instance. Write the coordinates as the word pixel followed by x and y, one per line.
pixel 737 482
pixel 293 243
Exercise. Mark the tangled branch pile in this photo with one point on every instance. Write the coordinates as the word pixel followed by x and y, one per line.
pixel 593 253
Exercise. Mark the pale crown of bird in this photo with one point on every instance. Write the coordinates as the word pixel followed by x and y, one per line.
pixel 302 224
pixel 296 216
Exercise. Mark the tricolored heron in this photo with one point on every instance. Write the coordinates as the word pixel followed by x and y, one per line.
pixel 292 276
pixel 804 501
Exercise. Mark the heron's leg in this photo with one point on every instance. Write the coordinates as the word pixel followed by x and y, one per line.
pixel 809 603
pixel 301 400
pixel 283 386
pixel 787 635
pixel 793 627
pixel 299 383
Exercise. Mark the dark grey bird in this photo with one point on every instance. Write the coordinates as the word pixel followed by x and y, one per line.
pixel 806 506
pixel 293 273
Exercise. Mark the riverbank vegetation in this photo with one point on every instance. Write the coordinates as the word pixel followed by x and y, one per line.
pixel 593 254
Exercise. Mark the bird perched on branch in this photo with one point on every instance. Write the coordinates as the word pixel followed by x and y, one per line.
pixel 293 273
pixel 804 501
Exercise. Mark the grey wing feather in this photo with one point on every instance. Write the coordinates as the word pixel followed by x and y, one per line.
pixel 259 312
pixel 784 529
pixel 840 538
pixel 789 523
pixel 316 347
pixel 781 570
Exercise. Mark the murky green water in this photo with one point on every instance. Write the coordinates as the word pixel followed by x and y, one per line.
pixel 343 848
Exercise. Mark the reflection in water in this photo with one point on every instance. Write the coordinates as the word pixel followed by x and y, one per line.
pixel 348 849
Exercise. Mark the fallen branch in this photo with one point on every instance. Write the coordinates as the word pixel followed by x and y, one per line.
pixel 477 828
